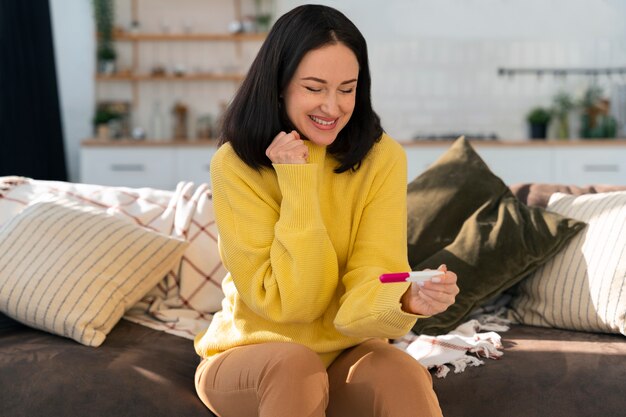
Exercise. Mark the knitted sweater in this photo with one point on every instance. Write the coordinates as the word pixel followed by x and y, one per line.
pixel 304 247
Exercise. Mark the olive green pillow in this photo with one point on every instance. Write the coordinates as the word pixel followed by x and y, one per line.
pixel 462 215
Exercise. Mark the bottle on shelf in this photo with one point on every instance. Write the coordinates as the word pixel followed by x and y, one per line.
pixel 180 113
pixel 157 122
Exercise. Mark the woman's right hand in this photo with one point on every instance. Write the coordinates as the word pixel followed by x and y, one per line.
pixel 288 148
pixel 431 297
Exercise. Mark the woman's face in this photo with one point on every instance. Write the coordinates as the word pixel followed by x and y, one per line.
pixel 319 99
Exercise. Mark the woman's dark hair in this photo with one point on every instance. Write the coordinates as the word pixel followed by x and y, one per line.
pixel 256 114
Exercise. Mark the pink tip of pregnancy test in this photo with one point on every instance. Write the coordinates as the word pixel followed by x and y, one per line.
pixel 413 276
pixel 395 277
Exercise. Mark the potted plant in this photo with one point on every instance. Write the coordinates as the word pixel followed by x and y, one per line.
pixel 538 120
pixel 562 105
pixel 263 19
pixel 106 54
pixel 102 120
pixel 596 120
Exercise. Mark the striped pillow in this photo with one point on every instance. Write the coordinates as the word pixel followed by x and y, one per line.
pixel 584 286
pixel 74 270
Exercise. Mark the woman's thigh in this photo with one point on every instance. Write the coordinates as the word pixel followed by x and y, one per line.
pixel 378 379
pixel 264 380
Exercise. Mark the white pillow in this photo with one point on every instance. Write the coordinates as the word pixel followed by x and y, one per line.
pixel 74 270
pixel 583 287
pixel 183 302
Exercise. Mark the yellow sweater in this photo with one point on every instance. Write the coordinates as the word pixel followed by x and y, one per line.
pixel 304 247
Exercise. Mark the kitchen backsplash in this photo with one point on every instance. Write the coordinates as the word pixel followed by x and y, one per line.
pixel 435 63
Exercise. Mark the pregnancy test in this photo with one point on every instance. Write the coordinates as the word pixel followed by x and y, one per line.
pixel 413 276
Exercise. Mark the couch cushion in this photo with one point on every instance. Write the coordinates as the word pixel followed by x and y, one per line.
pixel 544 372
pixel 538 194
pixel 462 215
pixel 136 372
pixel 582 287
pixel 74 270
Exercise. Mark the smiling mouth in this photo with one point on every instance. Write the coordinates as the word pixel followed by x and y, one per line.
pixel 323 123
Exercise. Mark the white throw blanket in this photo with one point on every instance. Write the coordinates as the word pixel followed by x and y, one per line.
pixel 461 347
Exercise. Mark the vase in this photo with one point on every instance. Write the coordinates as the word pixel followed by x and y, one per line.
pixel 102 131
pixel 106 67
pixel 563 128
pixel 538 130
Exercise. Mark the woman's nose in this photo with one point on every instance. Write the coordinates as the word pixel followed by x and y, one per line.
pixel 330 106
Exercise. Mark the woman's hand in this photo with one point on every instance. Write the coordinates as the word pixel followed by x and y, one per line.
pixel 431 297
pixel 287 148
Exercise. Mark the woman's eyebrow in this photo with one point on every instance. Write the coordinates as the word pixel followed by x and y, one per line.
pixel 319 80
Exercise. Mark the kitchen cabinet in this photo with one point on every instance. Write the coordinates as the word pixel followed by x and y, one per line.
pixel 511 163
pixel 606 165
pixel 137 164
pixel 573 162
pixel 164 164
pixel 194 163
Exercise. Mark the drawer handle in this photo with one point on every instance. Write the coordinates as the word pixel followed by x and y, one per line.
pixel 601 168
pixel 128 167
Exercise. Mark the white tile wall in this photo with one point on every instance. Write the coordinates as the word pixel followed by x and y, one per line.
pixel 434 63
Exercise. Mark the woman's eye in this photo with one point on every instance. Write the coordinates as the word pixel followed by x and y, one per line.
pixel 348 91
pixel 315 90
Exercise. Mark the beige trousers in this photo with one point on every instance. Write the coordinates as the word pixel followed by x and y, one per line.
pixel 289 380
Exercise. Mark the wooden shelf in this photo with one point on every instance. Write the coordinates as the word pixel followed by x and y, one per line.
pixel 138 60
pixel 147 143
pixel 158 37
pixel 169 77
pixel 550 143
pixel 573 143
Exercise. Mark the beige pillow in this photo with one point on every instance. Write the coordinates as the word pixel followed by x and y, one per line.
pixel 583 287
pixel 74 270
pixel 185 300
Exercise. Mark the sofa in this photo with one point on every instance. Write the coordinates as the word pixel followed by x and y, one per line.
pixel 139 371
pixel 142 368
pixel 544 371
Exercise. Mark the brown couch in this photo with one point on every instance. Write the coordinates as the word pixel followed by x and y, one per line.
pixel 143 372
pixel 543 372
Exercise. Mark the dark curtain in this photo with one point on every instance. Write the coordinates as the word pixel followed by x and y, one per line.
pixel 31 135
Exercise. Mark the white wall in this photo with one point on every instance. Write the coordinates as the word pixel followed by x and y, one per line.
pixel 434 62
pixel 73 29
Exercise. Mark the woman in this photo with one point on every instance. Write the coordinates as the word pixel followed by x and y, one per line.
pixel 310 203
